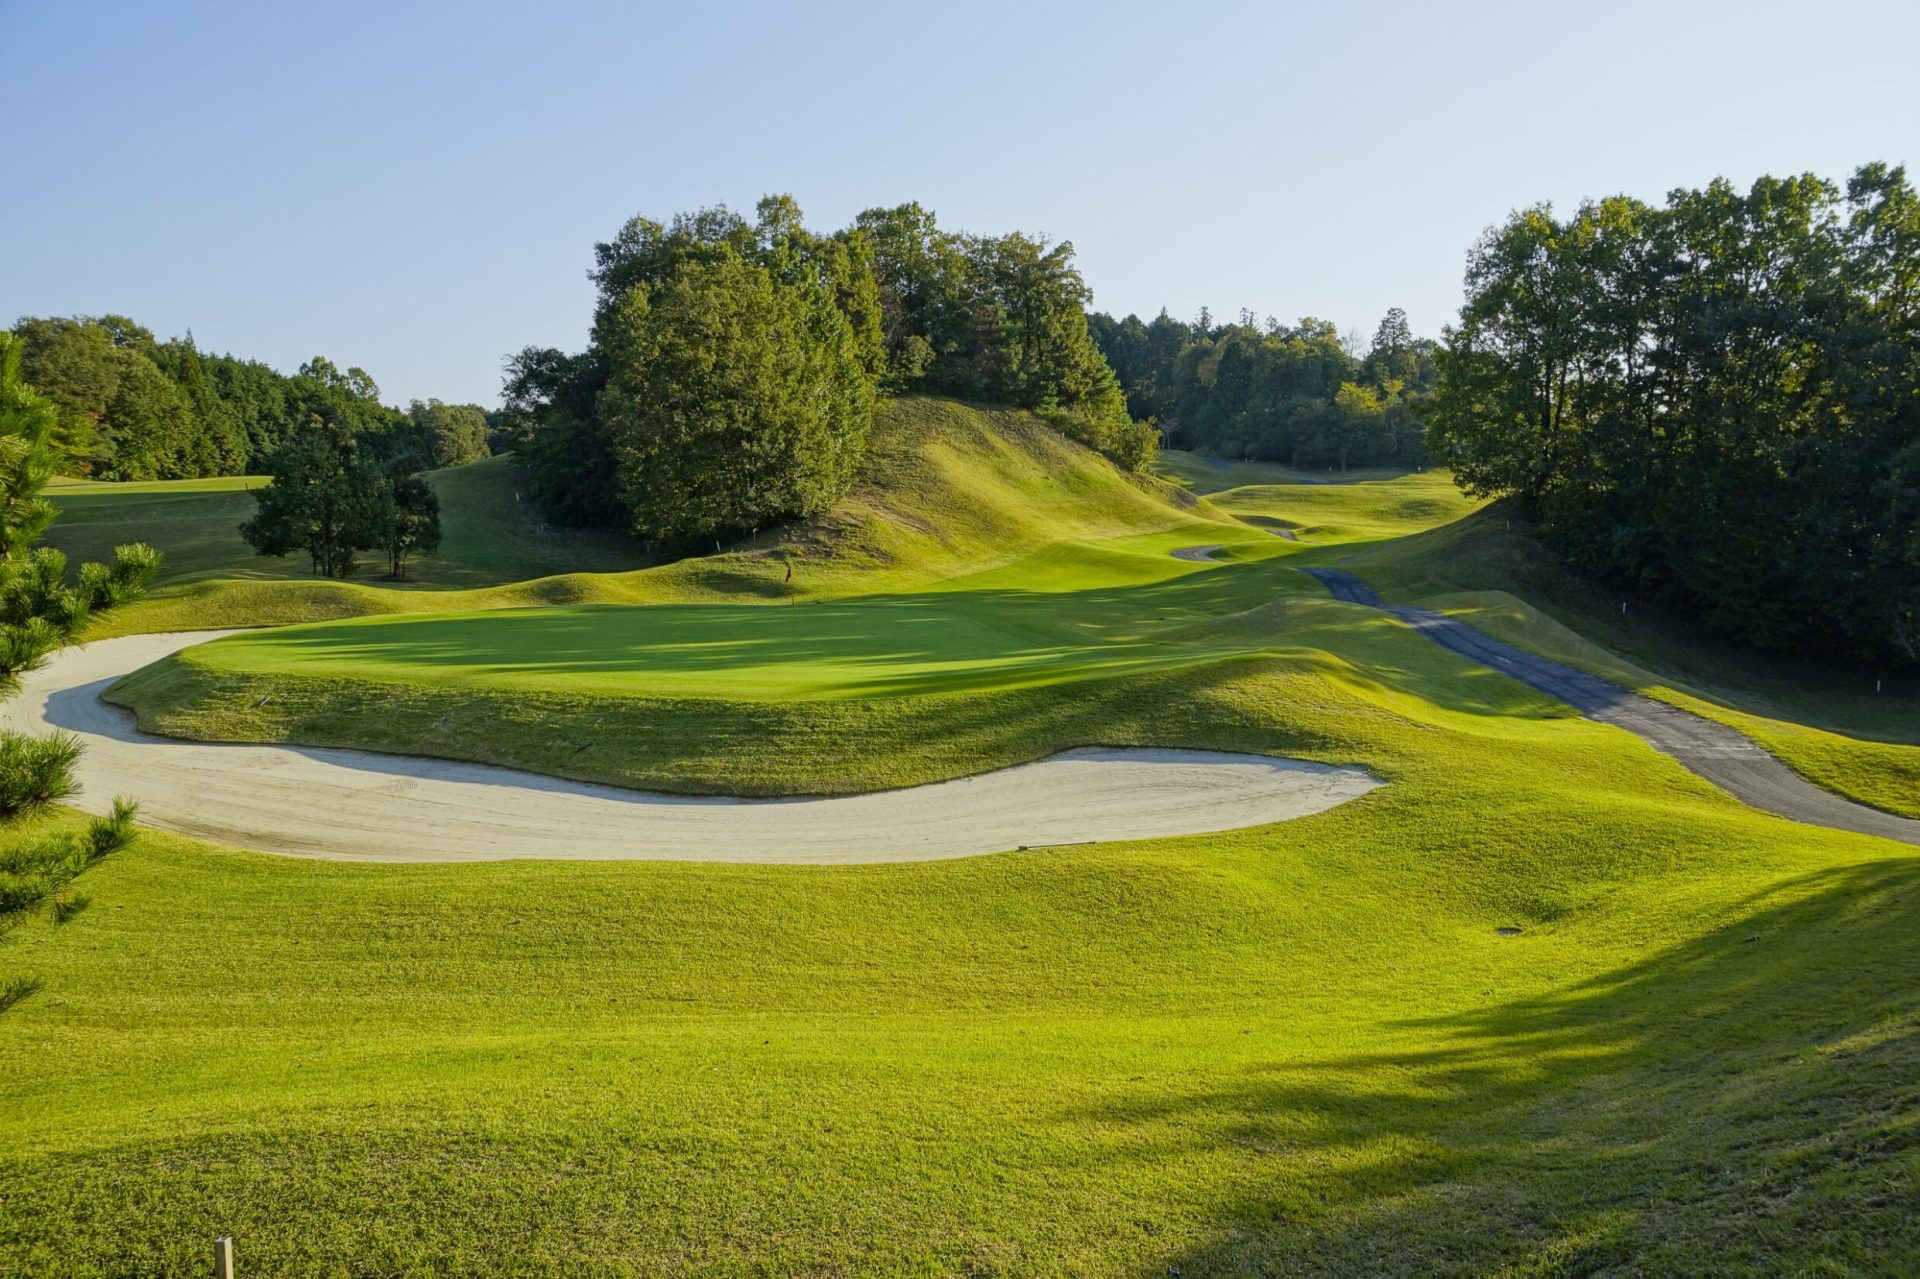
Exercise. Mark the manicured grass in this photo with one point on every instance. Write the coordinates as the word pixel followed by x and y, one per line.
pixel 951 489
pixel 1304 1048
pixel 1369 510
pixel 594 692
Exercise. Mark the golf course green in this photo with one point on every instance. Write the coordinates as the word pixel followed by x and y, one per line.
pixel 1544 1003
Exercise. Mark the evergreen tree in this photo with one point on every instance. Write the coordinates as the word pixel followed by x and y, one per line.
pixel 40 606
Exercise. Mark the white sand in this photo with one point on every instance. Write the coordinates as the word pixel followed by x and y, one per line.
pixel 354 805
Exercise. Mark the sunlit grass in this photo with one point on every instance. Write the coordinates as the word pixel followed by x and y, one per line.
pixel 1546 1003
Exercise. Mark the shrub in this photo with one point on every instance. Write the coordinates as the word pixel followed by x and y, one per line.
pixel 112 833
pixel 35 772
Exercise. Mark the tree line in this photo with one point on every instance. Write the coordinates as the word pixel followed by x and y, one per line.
pixel 130 407
pixel 731 369
pixel 1714 402
pixel 1272 392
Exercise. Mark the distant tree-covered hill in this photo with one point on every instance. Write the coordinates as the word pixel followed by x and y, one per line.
pixel 132 407
pixel 1274 393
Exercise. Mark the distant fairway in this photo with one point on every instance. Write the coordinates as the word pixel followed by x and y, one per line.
pixel 489 535
pixel 973 632
pixel 1209 475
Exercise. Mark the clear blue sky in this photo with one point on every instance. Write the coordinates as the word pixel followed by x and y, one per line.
pixel 416 188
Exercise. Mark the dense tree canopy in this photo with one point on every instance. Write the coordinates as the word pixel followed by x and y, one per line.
pixel 330 498
pixel 1273 393
pixel 1716 402
pixel 130 407
pixel 456 433
pixel 893 303
pixel 735 400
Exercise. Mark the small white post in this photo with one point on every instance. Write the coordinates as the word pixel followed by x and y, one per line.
pixel 223 1257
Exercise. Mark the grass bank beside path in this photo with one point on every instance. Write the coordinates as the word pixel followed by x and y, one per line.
pixel 1827 722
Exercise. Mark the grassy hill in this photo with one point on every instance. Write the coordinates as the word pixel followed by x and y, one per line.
pixel 1545 1003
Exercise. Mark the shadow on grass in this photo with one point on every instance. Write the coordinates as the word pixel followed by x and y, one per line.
pixel 1745 1102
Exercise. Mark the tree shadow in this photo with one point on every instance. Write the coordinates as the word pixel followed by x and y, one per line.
pixel 1743 1102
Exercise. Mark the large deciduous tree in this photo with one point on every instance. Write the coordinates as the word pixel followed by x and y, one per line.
pixel 1716 401
pixel 457 433
pixel 408 522
pixel 735 399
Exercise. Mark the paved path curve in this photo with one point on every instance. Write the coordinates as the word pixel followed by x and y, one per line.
pixel 1727 758
pixel 1197 554
pixel 355 805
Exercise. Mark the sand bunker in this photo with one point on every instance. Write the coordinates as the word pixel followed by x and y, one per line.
pixel 355 805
